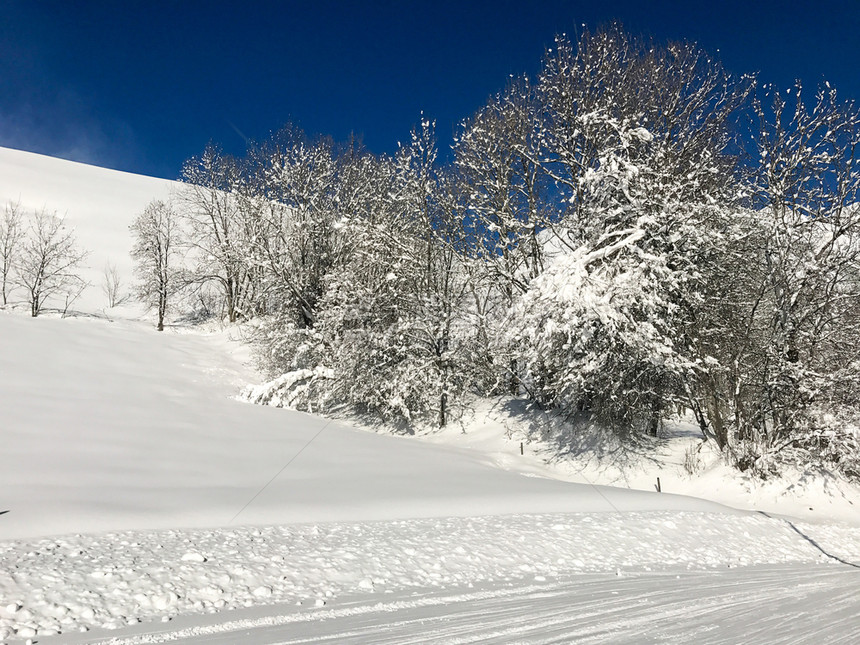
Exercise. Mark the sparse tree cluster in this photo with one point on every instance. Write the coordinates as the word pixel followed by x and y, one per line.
pixel 40 257
pixel 633 233
pixel 112 286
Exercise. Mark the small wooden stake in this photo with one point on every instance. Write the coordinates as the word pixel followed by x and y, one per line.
pixel 658 486
pixel 521 448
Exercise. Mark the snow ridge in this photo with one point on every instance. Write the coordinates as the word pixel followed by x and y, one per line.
pixel 81 582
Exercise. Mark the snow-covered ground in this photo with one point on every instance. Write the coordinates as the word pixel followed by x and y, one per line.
pixel 787 604
pixel 113 426
pixel 98 203
pixel 683 462
pixel 141 502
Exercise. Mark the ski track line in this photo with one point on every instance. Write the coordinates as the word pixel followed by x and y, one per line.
pixel 786 604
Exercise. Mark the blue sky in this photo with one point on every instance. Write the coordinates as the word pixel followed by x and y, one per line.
pixel 141 86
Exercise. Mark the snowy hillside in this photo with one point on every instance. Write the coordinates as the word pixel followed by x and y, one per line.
pixel 97 203
pixel 142 502
pixel 118 427
pixel 125 446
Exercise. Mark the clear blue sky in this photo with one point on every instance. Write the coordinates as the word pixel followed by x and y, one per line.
pixel 143 85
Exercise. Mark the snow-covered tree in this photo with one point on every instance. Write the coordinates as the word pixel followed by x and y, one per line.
pixel 292 202
pixel 210 210
pixel 390 312
pixel 46 266
pixel 602 241
pixel 11 233
pixel 638 141
pixel 112 285
pixel 506 195
pixel 158 241
pixel 371 246
pixel 788 349
pixel 507 204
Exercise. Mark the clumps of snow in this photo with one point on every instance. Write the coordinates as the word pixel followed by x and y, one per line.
pixel 121 578
pixel 285 390
pixel 642 134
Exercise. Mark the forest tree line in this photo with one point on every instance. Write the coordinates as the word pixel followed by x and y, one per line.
pixel 632 233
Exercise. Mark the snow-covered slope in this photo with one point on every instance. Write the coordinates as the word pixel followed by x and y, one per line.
pixel 135 486
pixel 112 426
pixel 98 203
pixel 165 495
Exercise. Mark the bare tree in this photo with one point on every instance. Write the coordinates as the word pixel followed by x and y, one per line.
pixel 495 157
pixel 11 232
pixel 48 260
pixel 112 285
pixel 211 211
pixel 157 240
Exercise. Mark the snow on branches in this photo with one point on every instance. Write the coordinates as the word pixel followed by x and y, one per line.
pixel 632 233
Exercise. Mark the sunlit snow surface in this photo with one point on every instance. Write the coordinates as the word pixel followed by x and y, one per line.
pixel 96 203
pixel 138 488
pixel 115 426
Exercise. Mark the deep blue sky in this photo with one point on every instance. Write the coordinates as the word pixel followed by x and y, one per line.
pixel 141 86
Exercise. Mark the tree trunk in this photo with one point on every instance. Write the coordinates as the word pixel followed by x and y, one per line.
pixel 514 385
pixel 654 421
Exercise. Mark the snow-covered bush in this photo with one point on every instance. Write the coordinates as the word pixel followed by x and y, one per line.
pixel 594 333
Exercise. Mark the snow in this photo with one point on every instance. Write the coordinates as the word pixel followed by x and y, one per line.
pixel 685 607
pixel 111 579
pixel 147 503
pixel 494 429
pixel 98 203
pixel 144 431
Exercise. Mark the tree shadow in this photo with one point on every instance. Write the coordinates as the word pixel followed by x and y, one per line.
pixel 815 544
pixel 581 437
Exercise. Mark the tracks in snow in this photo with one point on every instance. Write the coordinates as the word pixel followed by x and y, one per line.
pixel 771 604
